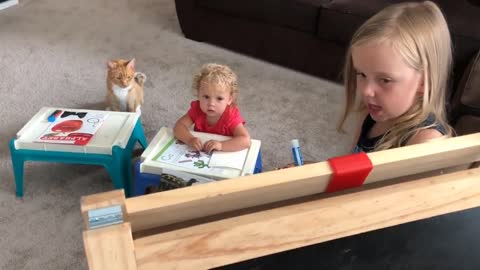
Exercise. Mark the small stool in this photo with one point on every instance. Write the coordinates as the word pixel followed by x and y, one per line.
pixel 143 180
pixel 111 147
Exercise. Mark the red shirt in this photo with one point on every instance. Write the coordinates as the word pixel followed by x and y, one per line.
pixel 227 123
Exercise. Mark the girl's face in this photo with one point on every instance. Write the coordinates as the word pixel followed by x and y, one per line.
pixel 214 98
pixel 387 85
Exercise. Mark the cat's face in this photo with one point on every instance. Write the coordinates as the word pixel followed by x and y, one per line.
pixel 121 72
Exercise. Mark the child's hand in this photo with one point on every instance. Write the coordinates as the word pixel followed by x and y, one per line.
pixel 195 143
pixel 212 145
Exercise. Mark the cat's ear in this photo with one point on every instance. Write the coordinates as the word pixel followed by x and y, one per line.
pixel 131 63
pixel 111 64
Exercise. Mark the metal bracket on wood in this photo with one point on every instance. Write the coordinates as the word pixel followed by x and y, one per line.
pixel 105 216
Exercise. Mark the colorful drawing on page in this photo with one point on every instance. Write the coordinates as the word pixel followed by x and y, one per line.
pixel 68 126
pixel 193 154
pixel 75 128
pixel 200 164
pixel 179 154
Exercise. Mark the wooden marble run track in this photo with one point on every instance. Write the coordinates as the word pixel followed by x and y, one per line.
pixel 220 223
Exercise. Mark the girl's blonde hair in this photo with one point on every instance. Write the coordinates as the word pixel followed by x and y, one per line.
pixel 419 33
pixel 220 74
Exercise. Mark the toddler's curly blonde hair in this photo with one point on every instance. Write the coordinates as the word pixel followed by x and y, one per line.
pixel 219 74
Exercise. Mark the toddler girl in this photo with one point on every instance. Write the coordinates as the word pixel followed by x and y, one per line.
pixel 214 111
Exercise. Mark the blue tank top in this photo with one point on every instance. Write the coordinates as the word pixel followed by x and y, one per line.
pixel 365 144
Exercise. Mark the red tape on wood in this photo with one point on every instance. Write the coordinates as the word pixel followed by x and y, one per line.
pixel 349 171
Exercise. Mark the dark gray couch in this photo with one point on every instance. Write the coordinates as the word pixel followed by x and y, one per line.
pixel 312 35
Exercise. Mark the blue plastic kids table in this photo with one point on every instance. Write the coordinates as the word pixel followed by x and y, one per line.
pixel 111 147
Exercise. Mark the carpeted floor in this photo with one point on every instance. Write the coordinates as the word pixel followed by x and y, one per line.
pixel 54 53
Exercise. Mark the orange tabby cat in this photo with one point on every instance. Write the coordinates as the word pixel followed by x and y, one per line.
pixel 124 86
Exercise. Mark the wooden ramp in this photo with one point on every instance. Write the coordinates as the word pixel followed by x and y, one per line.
pixel 215 224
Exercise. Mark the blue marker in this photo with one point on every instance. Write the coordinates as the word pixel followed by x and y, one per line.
pixel 297 155
pixel 54 115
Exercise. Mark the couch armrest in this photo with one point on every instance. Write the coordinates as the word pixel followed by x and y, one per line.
pixel 186 17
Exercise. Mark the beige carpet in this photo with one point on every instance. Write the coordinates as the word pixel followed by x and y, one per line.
pixel 54 53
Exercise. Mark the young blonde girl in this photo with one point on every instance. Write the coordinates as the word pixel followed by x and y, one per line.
pixel 396 72
pixel 214 111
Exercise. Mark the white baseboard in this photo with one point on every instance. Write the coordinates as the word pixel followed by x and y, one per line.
pixel 9 3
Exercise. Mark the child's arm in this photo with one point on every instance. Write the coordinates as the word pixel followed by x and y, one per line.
pixel 240 141
pixel 182 133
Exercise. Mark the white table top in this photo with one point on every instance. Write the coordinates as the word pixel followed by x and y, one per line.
pixel 150 165
pixel 116 130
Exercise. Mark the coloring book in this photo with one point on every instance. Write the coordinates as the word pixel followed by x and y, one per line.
pixel 72 127
pixel 179 154
pixel 165 152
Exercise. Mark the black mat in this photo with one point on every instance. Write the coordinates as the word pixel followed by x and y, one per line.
pixel 449 241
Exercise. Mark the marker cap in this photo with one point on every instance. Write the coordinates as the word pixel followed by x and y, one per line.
pixel 295 143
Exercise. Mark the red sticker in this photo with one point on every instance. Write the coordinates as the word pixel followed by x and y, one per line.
pixel 68 126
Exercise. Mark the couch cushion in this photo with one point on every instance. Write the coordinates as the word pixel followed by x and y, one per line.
pixel 467 124
pixel 466 100
pixel 287 13
pixel 348 15
pixel 471 89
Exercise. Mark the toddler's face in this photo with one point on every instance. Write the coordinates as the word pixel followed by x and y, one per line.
pixel 214 98
pixel 387 85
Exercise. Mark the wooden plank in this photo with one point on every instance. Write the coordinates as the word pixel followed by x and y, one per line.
pixel 101 200
pixel 424 157
pixel 261 233
pixel 179 205
pixel 110 248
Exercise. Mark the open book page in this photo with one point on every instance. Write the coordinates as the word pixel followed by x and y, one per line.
pixel 179 154
pixel 232 160
pixel 165 152
pixel 73 127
